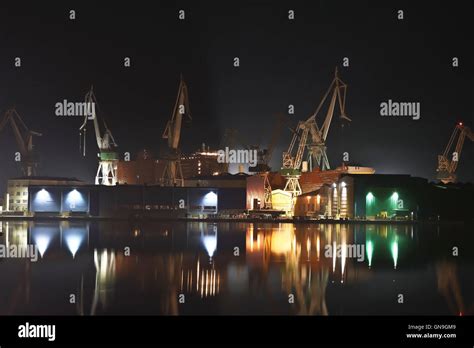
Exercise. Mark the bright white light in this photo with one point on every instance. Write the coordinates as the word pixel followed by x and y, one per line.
pixel 334 185
pixel 73 242
pixel 210 199
pixel 42 196
pixel 210 243
pixel 343 184
pixel 74 199
pixel 42 242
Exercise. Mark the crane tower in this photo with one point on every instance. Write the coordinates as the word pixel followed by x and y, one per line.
pixel 24 139
pixel 312 137
pixel 108 155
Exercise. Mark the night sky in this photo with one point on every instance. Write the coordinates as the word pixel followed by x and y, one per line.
pixel 282 62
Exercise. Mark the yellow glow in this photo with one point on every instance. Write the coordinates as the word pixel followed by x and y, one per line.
pixel 282 240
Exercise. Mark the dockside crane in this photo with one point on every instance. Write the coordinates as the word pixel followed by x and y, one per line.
pixel 24 139
pixel 446 166
pixel 312 137
pixel 108 155
pixel 173 174
pixel 317 154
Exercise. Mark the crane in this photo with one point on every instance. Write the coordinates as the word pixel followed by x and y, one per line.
pixel 446 167
pixel 173 175
pixel 24 139
pixel 108 155
pixel 312 137
pixel 317 146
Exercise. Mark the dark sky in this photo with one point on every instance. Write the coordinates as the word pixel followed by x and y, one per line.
pixel 282 62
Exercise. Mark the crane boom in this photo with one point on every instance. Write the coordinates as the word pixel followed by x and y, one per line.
pixel 447 167
pixel 181 107
pixel 24 140
pixel 172 175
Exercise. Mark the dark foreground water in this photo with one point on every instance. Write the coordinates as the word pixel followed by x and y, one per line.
pixel 236 268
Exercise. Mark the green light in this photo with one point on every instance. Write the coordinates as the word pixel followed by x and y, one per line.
pixel 395 196
pixel 369 198
pixel 394 250
pixel 370 251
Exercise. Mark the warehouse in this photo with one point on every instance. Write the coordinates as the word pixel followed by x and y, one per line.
pixel 132 200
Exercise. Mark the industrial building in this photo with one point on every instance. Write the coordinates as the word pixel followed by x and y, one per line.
pixel 16 196
pixel 143 170
pixel 376 196
pixel 132 201
pixel 202 162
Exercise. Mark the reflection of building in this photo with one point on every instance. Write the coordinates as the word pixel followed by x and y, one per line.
pixel 17 193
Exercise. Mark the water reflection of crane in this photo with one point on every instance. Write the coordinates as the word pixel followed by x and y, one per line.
pixel 304 275
pixel 448 286
pixel 105 267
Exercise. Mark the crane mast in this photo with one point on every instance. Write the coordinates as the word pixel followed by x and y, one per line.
pixel 317 155
pixel 24 139
pixel 310 136
pixel 108 156
pixel 173 174
pixel 447 167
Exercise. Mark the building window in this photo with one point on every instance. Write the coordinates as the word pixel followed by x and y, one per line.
pixel 25 193
pixel 18 201
pixel 25 201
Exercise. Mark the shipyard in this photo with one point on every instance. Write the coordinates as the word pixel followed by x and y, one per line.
pixel 200 185
pixel 265 164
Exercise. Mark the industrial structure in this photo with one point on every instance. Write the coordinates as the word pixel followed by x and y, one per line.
pixel 312 137
pixel 446 166
pixel 108 155
pixel 173 174
pixel 28 157
pixel 197 185
pixel 16 197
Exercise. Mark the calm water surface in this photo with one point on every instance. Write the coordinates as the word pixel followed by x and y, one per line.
pixel 117 268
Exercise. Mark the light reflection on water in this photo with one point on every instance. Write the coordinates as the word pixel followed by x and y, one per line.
pixel 95 268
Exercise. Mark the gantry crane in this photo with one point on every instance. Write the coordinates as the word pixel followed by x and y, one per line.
pixel 108 155
pixel 447 167
pixel 313 138
pixel 173 174
pixel 24 139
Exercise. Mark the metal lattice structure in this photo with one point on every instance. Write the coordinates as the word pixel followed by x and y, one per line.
pixel 447 167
